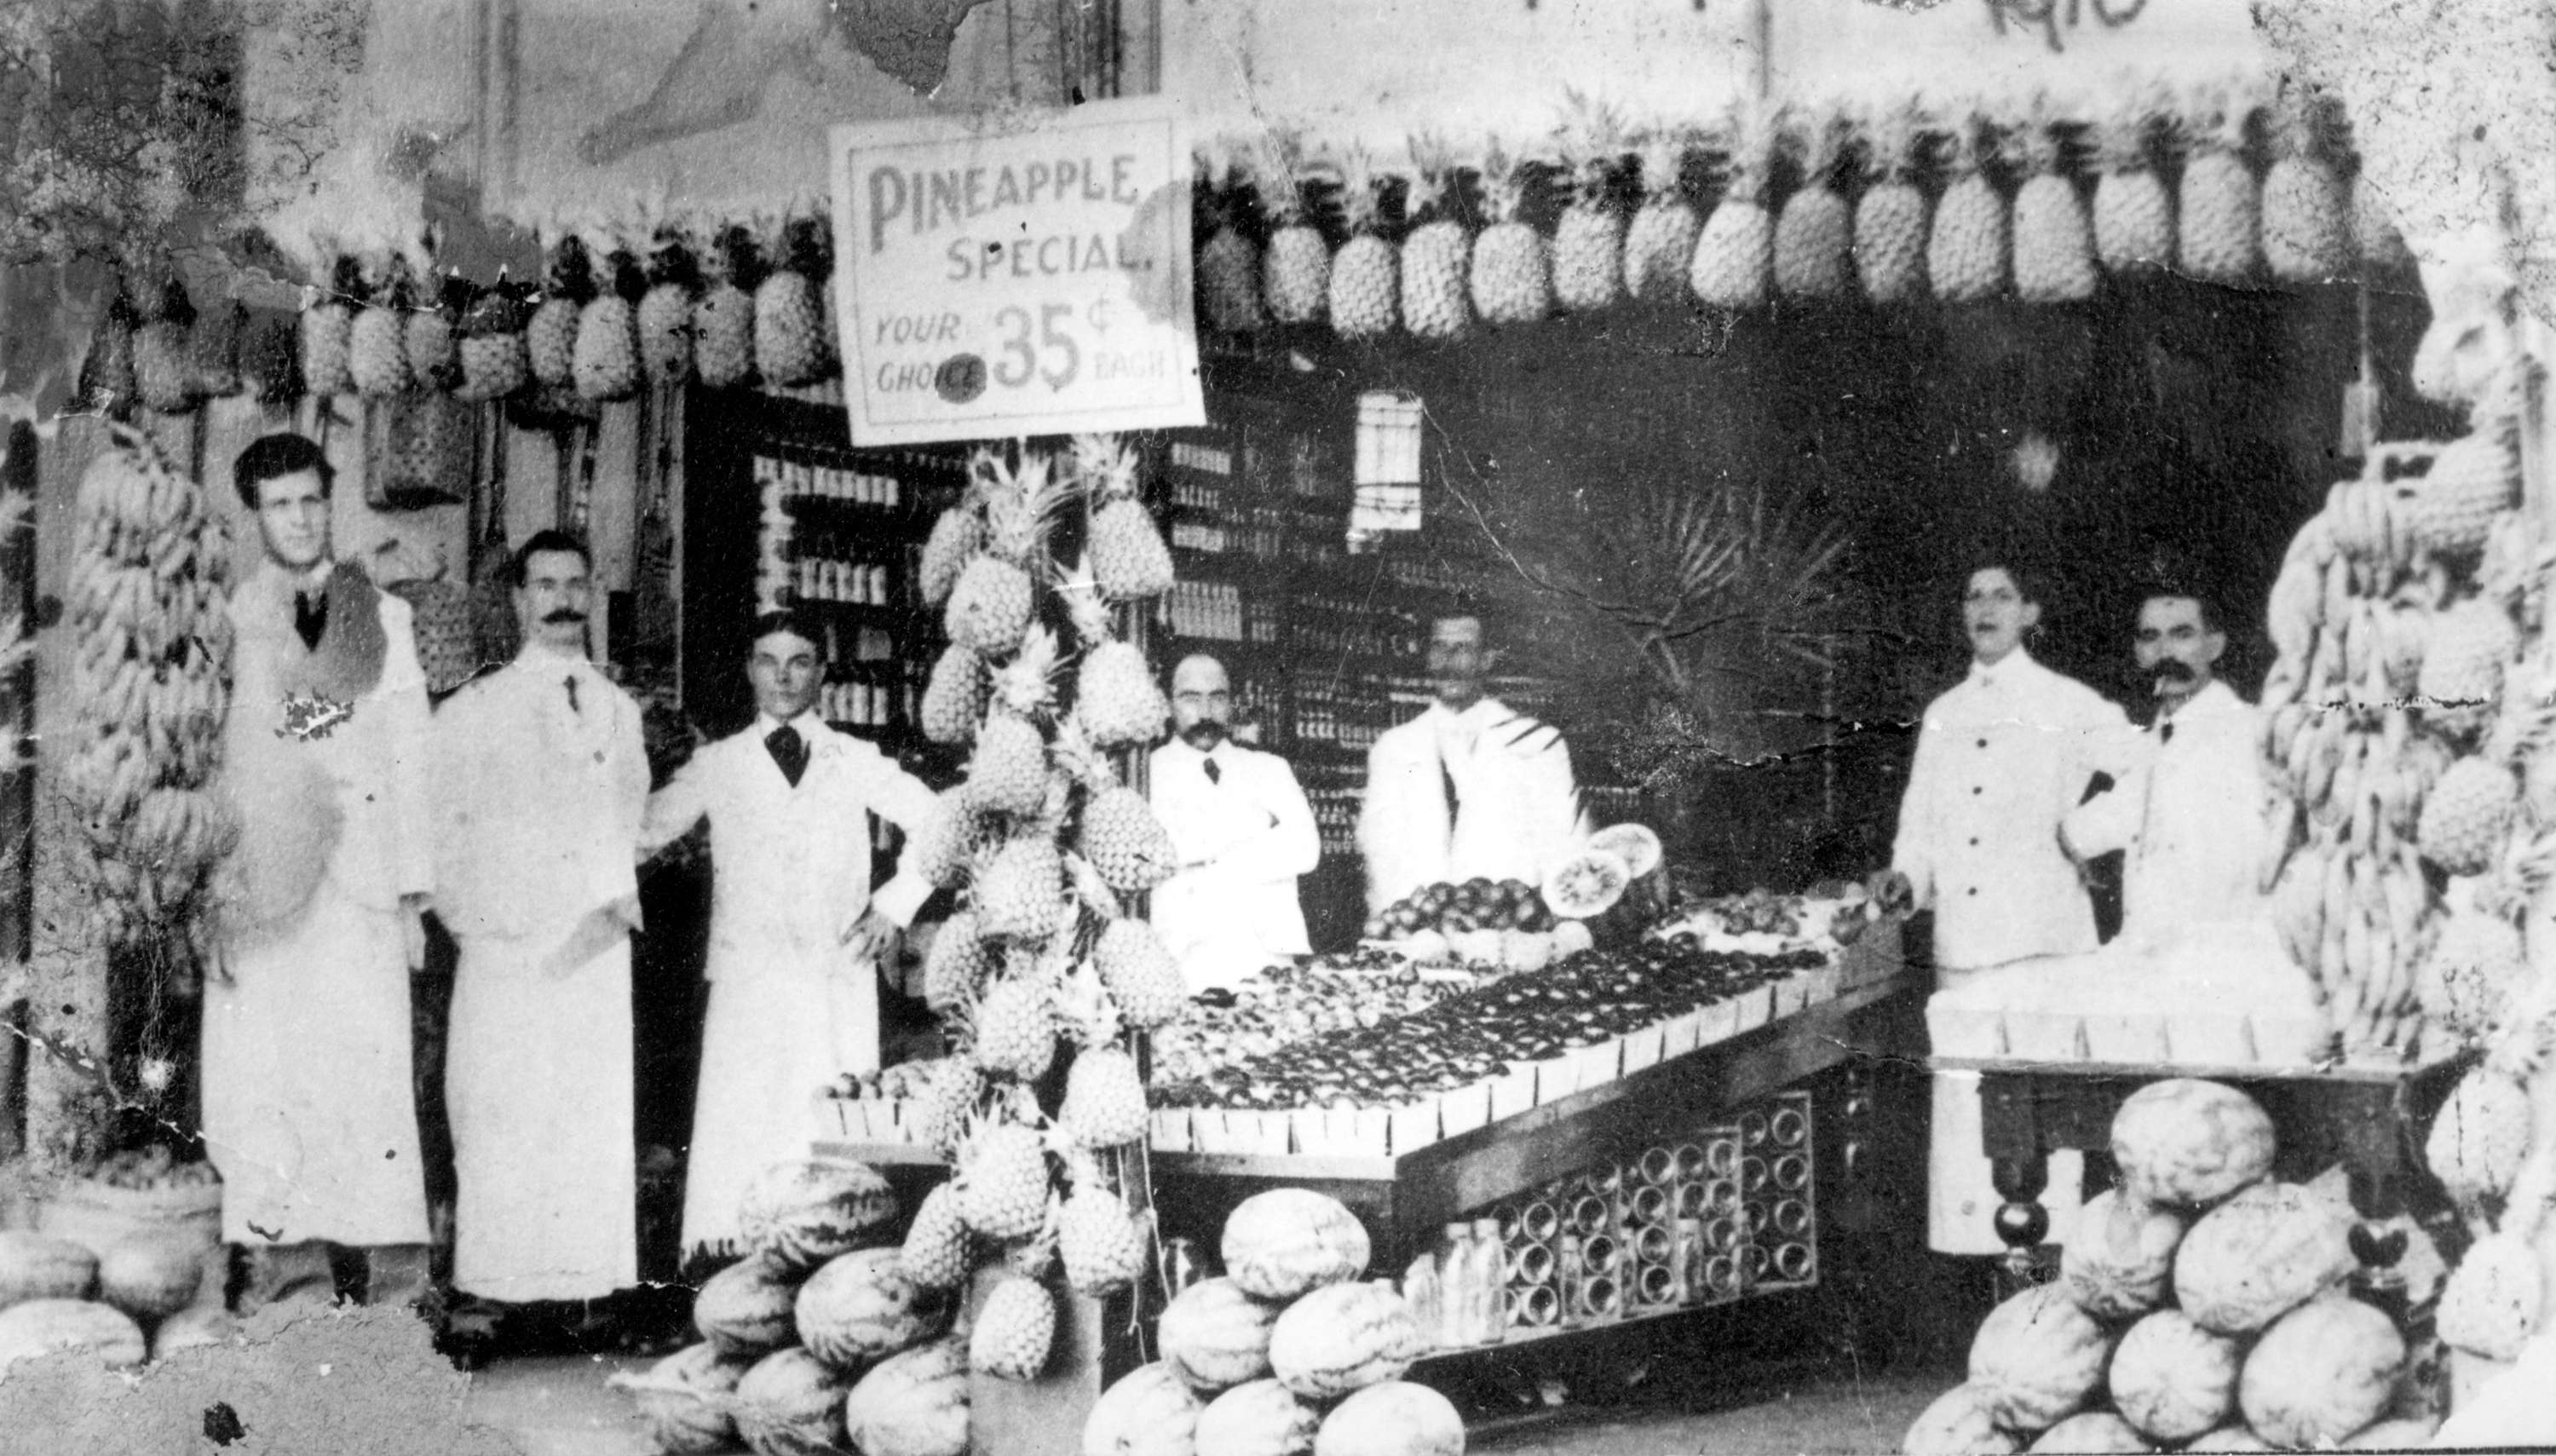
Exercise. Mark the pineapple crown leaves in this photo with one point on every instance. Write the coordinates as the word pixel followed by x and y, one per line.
pixel 1977 141
pixel 1661 155
pixel 2217 115
pixel 1085 1006
pixel 1591 141
pixel 1090 890
pixel 1026 685
pixel 2035 138
pixel 1363 180
pixel 569 272
pixel 1504 176
pixel 1021 504
pixel 1281 171
pixel 1085 607
pixel 2307 122
pixel 1433 178
pixel 1896 142
pixel 2126 136
pixel 1817 137
pixel 1084 764
pixel 1747 138
pixel 1104 467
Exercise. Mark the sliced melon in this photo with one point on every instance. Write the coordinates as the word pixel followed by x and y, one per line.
pixel 1570 937
pixel 1587 883
pixel 1635 844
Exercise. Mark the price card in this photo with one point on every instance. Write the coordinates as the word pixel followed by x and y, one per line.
pixel 1019 274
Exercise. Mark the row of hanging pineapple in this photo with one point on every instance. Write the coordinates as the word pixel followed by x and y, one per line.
pixel 150 686
pixel 2041 241
pixel 1042 839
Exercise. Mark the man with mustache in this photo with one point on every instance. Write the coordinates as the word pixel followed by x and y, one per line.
pixel 2187 810
pixel 541 779
pixel 1244 832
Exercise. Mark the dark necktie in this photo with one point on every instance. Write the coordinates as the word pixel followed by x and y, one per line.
pixel 310 617
pixel 571 695
pixel 2165 731
pixel 1447 777
pixel 788 750
pixel 1215 775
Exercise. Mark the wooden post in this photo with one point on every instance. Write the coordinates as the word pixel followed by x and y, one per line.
pixel 18 481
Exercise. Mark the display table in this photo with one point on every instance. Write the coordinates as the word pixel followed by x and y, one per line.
pixel 2367 1117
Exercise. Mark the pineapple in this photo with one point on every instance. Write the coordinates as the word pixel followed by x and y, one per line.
pixel 2133 216
pixel 1009 773
pixel 493 362
pixel 377 341
pixel 2467 976
pixel 1126 553
pixel 2479 1138
pixel 1001 1181
pixel 1734 254
pixel 1434 254
pixel 1115 700
pixel 2472 482
pixel 789 315
pixel 106 374
pixel 2054 244
pixel 1124 841
pixel 2221 237
pixel 1090 890
pixel 666 309
pixel 550 339
pixel 945 845
pixel 2463 670
pixel 1141 974
pixel 1020 892
pixel 2306 230
pixel 1104 1098
pixel 605 360
pixel 956 970
pixel 1016 1027
pixel 989 604
pixel 1509 282
pixel 956 535
pixel 1229 266
pixel 433 356
pixel 2373 226
pixel 948 1103
pixel 213 348
pixel 955 698
pixel 938 1247
pixel 723 316
pixel 1589 237
pixel 1025 687
pixel 1364 272
pixel 1100 1241
pixel 1015 1330
pixel 1890 217
pixel 2468 815
pixel 164 369
pixel 1815 233
pixel 1034 1258
pixel 1662 236
pixel 1967 254
pixel 326 326
pixel 1296 269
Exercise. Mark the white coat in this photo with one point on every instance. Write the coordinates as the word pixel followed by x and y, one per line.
pixel 2002 760
pixel 2188 816
pixel 1250 826
pixel 1520 806
pixel 790 1008
pixel 539 807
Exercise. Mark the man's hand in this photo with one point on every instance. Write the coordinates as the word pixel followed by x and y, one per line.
pixel 872 937
pixel 596 933
pixel 413 908
pixel 1893 892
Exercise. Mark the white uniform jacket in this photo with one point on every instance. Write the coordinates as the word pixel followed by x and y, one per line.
pixel 1518 805
pixel 1237 912
pixel 2189 814
pixel 2002 760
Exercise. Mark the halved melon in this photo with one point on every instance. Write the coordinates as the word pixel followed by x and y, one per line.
pixel 1587 883
pixel 1635 844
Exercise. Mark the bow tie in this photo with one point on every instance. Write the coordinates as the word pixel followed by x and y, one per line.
pixel 788 750
pixel 1215 774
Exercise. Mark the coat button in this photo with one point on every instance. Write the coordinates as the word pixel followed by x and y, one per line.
pixel 1983 743
pixel 1975 842
pixel 1975 788
pixel 1972 890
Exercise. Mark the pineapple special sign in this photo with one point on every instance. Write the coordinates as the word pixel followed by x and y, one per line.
pixel 1012 276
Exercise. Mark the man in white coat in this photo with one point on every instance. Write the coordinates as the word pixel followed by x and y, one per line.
pixel 1244 836
pixel 310 1109
pixel 1469 788
pixel 542 777
pixel 2002 759
pixel 796 934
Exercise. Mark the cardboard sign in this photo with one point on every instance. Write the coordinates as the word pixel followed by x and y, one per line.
pixel 1013 275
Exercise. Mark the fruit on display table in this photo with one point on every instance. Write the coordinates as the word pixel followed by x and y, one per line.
pixel 1827 916
pixel 1286 1004
pixel 1214 1336
pixel 912 1404
pixel 1342 1338
pixel 791 1402
pixel 2185 1143
pixel 2118 1263
pixel 1286 1243
pixel 1500 925
pixel 2038 1358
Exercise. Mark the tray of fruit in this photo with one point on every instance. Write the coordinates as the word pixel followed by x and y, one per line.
pixel 1511 925
pixel 1828 918
pixel 1290 1003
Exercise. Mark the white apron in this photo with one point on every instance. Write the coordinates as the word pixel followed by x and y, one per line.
pixel 779 1029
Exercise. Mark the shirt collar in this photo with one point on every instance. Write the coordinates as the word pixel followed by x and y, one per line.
pixel 2008 668
pixel 542 657
pixel 765 725
pixel 1483 710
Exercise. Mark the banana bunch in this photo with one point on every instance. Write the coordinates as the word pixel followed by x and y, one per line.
pixel 150 679
pixel 2360 924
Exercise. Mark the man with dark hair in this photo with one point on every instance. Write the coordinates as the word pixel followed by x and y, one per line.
pixel 1470 787
pixel 542 777
pixel 2002 759
pixel 1244 834
pixel 310 1110
pixel 2187 813
pixel 796 938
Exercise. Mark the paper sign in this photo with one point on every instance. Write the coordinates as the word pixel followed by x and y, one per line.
pixel 1013 275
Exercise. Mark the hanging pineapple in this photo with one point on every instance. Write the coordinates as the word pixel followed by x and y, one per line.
pixel 1435 304
pixel 723 316
pixel 1735 253
pixel 1815 233
pixel 550 339
pixel 1229 266
pixel 326 330
pixel 2054 244
pixel 1364 272
pixel 2221 237
pixel 377 341
pixel 1128 558
pixel 666 309
pixel 1100 1239
pixel 1589 237
pixel 1297 266
pixel 2306 231
pixel 990 604
pixel 1890 216
pixel 789 317
pixel 1510 284
pixel 492 358
pixel 1115 699
pixel 163 370
pixel 1662 236
pixel 1967 255
pixel 431 341
pixel 2133 216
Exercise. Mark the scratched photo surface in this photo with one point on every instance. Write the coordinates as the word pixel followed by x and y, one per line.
pixel 1729 545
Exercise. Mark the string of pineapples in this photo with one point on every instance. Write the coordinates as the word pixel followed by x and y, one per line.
pixel 1043 841
pixel 2226 181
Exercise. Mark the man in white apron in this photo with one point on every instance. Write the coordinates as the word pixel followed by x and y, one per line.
pixel 309 1107
pixel 542 776
pixel 1244 832
pixel 2000 761
pixel 795 935
pixel 1470 789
